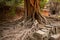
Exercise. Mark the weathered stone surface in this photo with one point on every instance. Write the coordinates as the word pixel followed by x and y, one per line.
pixel 54 29
pixel 55 37
pixel 41 35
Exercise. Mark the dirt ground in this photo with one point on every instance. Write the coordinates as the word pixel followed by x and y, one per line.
pixel 15 30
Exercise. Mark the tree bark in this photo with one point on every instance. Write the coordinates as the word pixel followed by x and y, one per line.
pixel 32 10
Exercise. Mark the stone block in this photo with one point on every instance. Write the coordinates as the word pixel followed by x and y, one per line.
pixel 41 35
pixel 54 29
pixel 55 37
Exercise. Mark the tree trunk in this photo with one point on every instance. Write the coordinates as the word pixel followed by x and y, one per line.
pixel 32 10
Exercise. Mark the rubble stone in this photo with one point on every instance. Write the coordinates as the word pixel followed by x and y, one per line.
pixel 41 35
pixel 55 37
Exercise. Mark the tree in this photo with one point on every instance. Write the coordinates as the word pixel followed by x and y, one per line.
pixel 32 11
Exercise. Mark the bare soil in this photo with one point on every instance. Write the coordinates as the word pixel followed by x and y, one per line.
pixel 16 31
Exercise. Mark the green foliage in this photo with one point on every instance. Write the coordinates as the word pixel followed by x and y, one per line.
pixel 42 3
pixel 12 3
pixel 1 1
pixel 56 0
pixel 7 2
pixel 20 3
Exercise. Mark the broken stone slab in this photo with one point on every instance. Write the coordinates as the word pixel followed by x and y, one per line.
pixel 58 30
pixel 54 29
pixel 57 26
pixel 41 35
pixel 48 26
pixel 55 37
pixel 48 31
